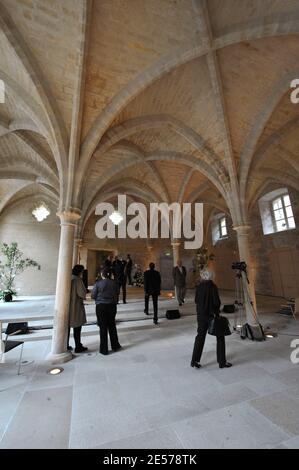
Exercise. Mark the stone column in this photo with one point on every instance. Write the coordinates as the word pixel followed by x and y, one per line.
pixel 77 245
pixel 83 255
pixel 150 258
pixel 175 251
pixel 243 232
pixel 59 353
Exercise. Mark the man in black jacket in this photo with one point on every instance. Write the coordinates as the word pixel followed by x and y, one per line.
pixel 207 306
pixel 119 272
pixel 152 287
pixel 128 270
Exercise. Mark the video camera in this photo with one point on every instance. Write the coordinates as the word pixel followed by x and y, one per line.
pixel 240 266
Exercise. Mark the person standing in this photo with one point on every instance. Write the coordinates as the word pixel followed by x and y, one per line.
pixel 119 270
pixel 129 267
pixel 179 278
pixel 108 261
pixel 152 287
pixel 105 294
pixel 77 314
pixel 207 305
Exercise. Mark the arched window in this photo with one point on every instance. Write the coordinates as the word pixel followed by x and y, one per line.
pixel 219 227
pixel 277 212
pixel 222 227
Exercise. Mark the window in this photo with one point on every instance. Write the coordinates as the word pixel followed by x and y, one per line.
pixel 277 212
pixel 219 227
pixel 222 227
pixel 283 213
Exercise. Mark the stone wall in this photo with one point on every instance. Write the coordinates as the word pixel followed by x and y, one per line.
pixel 270 268
pixel 38 240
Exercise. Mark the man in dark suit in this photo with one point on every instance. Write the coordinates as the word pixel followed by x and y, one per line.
pixel 108 262
pixel 152 287
pixel 179 278
pixel 119 272
pixel 128 271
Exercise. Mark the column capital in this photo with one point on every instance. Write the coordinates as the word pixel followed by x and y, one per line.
pixel 242 229
pixel 69 217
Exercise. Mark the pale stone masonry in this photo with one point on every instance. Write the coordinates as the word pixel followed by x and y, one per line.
pixel 159 99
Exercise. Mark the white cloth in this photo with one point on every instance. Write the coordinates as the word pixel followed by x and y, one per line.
pixel 206 275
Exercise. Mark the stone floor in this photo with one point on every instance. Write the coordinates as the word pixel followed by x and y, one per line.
pixel 148 396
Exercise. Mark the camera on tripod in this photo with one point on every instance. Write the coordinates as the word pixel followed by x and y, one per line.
pixel 240 266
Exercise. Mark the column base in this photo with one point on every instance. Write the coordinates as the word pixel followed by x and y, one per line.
pixel 59 358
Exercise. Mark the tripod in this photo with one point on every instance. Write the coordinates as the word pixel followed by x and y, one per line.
pixel 239 303
pixel 242 297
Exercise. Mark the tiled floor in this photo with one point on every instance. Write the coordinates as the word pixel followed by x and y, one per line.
pixel 148 396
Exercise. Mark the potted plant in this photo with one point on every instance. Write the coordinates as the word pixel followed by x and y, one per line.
pixel 12 264
pixel 7 295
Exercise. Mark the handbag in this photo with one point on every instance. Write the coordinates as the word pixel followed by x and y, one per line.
pixel 219 326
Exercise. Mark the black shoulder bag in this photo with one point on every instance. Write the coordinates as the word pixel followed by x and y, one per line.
pixel 219 326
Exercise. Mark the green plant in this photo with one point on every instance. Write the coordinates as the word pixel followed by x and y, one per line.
pixel 13 264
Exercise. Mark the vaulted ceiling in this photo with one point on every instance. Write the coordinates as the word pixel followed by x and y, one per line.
pixel 176 100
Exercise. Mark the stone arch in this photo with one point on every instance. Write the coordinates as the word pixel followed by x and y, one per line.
pixel 272 141
pixel 267 110
pixel 58 130
pixel 104 196
pixel 279 27
pixel 140 124
pixel 13 197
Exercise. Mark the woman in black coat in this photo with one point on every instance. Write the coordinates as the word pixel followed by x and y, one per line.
pixel 207 305
pixel 105 294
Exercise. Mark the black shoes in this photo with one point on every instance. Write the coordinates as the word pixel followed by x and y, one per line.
pixel 226 365
pixel 81 349
pixel 106 353
pixel 195 365
pixel 69 348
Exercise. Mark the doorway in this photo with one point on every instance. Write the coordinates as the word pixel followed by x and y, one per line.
pixel 95 259
pixel 166 267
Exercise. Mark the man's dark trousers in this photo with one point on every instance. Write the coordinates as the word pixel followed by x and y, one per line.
pixel 155 305
pixel 106 320
pixel 203 326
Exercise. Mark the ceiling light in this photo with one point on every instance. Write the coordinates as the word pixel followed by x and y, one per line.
pixel 55 371
pixel 116 218
pixel 41 213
